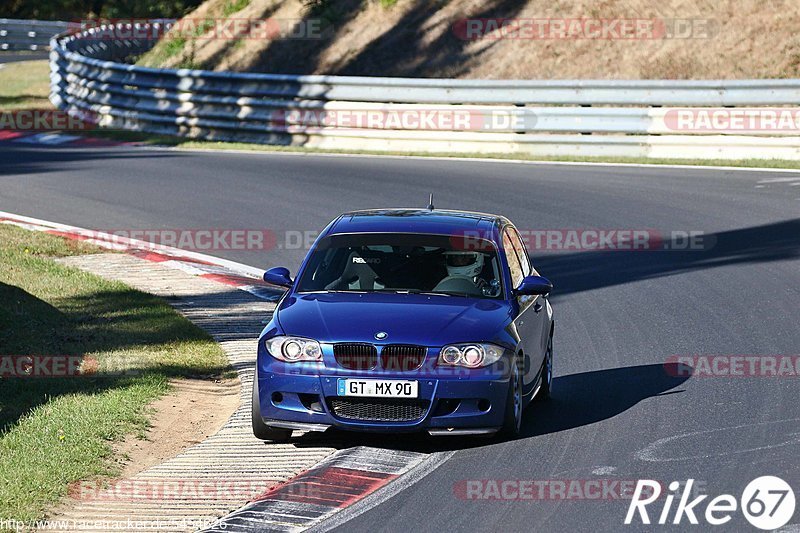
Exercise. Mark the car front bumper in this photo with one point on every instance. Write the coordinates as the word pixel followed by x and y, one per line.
pixel 452 405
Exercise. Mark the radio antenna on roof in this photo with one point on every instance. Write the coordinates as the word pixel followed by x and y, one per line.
pixel 430 203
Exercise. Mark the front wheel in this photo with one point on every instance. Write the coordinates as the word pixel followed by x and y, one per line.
pixel 260 429
pixel 513 417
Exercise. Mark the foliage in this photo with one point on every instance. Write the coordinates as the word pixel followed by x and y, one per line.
pixel 80 9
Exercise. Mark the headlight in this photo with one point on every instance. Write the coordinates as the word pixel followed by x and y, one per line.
pixel 294 349
pixel 470 355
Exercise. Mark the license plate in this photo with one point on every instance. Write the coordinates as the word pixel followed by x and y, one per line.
pixel 378 388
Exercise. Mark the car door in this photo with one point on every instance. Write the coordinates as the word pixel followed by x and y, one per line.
pixel 529 321
pixel 544 306
pixel 525 321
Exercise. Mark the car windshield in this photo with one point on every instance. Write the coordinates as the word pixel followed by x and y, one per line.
pixel 391 262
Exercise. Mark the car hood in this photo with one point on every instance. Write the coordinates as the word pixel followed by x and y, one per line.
pixel 406 318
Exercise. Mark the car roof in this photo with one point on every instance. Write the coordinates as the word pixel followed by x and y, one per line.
pixel 416 220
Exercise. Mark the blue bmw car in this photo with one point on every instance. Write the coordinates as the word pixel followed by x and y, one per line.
pixel 404 320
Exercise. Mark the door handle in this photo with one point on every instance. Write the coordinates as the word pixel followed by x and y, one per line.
pixel 537 307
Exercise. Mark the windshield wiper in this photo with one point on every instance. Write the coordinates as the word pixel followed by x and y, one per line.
pixel 392 291
pixel 419 291
pixel 455 293
pixel 397 291
pixel 333 291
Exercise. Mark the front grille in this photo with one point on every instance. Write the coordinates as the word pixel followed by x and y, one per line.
pixel 378 409
pixel 355 356
pixel 402 357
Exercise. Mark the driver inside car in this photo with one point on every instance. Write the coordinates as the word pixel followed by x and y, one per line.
pixel 463 271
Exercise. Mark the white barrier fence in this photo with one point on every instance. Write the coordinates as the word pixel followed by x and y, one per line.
pixel 28 34
pixel 662 119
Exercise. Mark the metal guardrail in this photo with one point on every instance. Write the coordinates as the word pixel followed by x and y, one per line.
pixel 561 117
pixel 28 34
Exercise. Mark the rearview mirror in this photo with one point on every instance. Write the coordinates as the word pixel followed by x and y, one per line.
pixel 532 285
pixel 279 276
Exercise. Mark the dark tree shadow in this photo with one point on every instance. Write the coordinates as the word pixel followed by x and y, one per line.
pixel 409 55
pixel 585 271
pixel 302 56
pixel 215 58
pixel 37 158
pixel 402 50
pixel 16 99
pixel 103 322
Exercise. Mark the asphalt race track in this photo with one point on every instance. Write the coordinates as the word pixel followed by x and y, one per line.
pixel 618 412
pixel 13 57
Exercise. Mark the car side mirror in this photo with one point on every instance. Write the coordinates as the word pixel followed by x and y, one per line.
pixel 279 276
pixel 533 285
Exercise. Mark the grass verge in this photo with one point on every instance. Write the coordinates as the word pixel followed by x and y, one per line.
pixel 58 430
pixel 25 85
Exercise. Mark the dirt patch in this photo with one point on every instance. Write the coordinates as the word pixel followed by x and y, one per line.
pixel 192 412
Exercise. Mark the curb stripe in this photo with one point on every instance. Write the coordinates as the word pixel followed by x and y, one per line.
pixel 9 135
pixel 59 138
pixel 222 271
pixel 339 481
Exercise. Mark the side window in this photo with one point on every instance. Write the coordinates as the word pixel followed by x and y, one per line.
pixel 514 265
pixel 519 246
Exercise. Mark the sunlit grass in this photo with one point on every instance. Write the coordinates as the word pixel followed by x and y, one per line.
pixel 25 85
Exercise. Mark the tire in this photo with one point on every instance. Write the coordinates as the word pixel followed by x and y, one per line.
pixel 260 429
pixel 547 374
pixel 512 422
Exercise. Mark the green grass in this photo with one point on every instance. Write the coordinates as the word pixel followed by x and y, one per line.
pixel 234 6
pixel 164 50
pixel 55 431
pixel 177 44
pixel 25 85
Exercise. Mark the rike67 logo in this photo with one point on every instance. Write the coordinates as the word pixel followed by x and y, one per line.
pixel 767 502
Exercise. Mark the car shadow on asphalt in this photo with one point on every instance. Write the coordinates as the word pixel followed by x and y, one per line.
pixel 577 400
pixel 590 397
